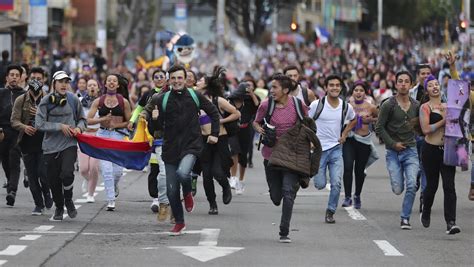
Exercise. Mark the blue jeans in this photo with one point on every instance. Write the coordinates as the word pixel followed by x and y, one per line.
pixel 403 167
pixel 111 172
pixel 331 159
pixel 177 176
pixel 420 141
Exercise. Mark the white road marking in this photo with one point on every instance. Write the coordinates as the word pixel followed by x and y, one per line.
pixel 37 232
pixel 209 237
pixel 12 250
pixel 140 233
pixel 30 237
pixel 387 248
pixel 3 262
pixel 355 214
pixel 44 228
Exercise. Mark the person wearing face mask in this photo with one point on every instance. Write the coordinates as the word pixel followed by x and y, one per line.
pixel 60 116
pixel 89 166
pixel 9 150
pixel 114 115
pixel 30 140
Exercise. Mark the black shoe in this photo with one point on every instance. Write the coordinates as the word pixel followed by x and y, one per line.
pixel 284 239
pixel 71 209
pixel 250 165
pixel 213 210
pixel 58 214
pixel 405 224
pixel 48 201
pixel 304 183
pixel 11 199
pixel 5 185
pixel 330 217
pixel 227 195
pixel 425 219
pixel 452 228
pixel 38 211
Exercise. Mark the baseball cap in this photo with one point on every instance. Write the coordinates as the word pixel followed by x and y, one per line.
pixel 59 75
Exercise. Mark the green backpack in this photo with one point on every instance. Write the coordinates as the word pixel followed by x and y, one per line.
pixel 191 91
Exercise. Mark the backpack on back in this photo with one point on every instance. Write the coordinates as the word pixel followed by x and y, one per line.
pixel 191 91
pixel 320 107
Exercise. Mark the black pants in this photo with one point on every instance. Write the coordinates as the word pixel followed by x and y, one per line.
pixel 432 158
pixel 10 157
pixel 39 187
pixel 282 184
pixel 153 180
pixel 215 163
pixel 245 140
pixel 60 173
pixel 356 155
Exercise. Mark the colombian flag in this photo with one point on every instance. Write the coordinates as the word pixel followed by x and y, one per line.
pixel 133 154
pixel 6 5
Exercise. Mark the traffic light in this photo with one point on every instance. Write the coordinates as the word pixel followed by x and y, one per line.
pixel 463 25
pixel 294 26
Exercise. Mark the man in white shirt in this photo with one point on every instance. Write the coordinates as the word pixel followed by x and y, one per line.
pixel 331 116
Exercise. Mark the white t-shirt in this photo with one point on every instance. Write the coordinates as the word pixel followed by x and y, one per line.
pixel 329 123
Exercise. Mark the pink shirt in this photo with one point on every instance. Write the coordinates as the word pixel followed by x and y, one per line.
pixel 283 119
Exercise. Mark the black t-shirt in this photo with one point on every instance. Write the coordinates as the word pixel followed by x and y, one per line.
pixel 247 110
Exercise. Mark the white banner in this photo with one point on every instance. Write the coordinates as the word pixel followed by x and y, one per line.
pixel 38 26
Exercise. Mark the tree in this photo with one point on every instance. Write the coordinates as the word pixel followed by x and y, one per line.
pixel 249 17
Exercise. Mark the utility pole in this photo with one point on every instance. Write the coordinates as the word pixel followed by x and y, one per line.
pixel 379 21
pixel 220 28
pixel 101 24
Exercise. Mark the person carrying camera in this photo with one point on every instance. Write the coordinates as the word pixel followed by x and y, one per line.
pixel 30 140
pixel 60 116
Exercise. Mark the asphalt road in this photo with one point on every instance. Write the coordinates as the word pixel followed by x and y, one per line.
pixel 245 233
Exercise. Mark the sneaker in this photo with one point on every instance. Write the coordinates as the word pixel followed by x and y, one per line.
pixel 405 224
pixel 233 182
pixel 471 193
pixel 164 212
pixel 251 165
pixel 347 202
pixel 11 199
pixel 425 219
pixel 38 211
pixel 177 229
pixel 284 239
pixel 357 202
pixel 85 185
pixel 239 187
pixel 452 228
pixel 58 214
pixel 155 206
pixel 111 205
pixel 213 210
pixel 90 199
pixel 194 185
pixel 71 209
pixel 116 189
pixel 226 195
pixel 330 217
pixel 48 201
pixel 189 202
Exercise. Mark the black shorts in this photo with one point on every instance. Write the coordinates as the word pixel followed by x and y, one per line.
pixel 240 144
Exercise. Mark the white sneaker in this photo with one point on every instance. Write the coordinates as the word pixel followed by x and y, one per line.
pixel 90 199
pixel 239 188
pixel 85 185
pixel 155 206
pixel 111 205
pixel 233 182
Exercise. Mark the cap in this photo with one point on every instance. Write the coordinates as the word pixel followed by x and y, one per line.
pixel 240 92
pixel 59 75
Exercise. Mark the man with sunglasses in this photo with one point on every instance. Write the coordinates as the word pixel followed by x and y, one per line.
pixel 157 177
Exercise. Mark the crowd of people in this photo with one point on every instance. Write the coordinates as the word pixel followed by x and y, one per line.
pixel 315 110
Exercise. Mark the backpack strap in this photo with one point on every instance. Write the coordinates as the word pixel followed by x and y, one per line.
pixel 165 100
pixel 299 108
pixel 270 109
pixel 319 108
pixel 345 108
pixel 304 91
pixel 195 97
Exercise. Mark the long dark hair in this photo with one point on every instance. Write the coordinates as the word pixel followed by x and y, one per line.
pixel 215 83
